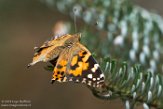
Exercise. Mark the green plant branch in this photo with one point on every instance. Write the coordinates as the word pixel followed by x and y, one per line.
pixel 130 33
pixel 131 84
pixel 127 27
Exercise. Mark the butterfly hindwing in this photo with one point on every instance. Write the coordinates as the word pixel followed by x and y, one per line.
pixel 78 65
pixel 84 68
pixel 59 72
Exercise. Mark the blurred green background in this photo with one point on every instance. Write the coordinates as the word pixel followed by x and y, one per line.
pixel 28 23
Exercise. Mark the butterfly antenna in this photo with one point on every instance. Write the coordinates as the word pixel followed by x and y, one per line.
pixel 74 13
pixel 97 21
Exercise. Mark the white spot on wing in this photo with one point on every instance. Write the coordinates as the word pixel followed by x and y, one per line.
pixel 95 68
pixel 70 79
pixel 101 75
pixel 77 80
pixel 89 83
pixel 84 80
pixel 64 79
pixel 89 76
pixel 94 79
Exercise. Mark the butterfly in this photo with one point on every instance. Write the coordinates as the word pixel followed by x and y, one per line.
pixel 71 61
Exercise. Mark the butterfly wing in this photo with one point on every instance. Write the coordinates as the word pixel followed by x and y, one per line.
pixel 83 68
pixel 60 67
pixel 77 64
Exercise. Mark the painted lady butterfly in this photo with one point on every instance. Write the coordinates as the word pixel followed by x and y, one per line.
pixel 71 60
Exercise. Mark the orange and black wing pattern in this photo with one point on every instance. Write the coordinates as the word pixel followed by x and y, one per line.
pixel 71 61
pixel 78 66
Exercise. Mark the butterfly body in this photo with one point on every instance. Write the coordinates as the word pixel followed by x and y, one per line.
pixel 72 61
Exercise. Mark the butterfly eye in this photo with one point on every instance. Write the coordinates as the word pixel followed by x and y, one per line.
pixel 68 44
